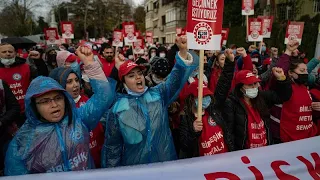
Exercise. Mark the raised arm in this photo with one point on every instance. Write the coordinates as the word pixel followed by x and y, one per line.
pixel 104 90
pixel 186 63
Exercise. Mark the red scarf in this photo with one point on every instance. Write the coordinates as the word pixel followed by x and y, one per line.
pixel 257 135
pixel 211 140
pixel 96 136
pixel 296 116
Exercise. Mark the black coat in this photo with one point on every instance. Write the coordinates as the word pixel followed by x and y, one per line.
pixel 188 137
pixel 235 113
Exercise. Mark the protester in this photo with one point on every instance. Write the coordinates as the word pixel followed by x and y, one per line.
pixel 17 73
pixel 160 69
pixel 9 112
pixel 106 58
pixel 152 52
pixel 162 52
pixel 55 137
pixel 218 65
pixel 65 58
pixel 70 81
pixel 296 116
pixel 37 63
pixel 195 135
pixel 51 57
pixel 137 126
pixel 246 109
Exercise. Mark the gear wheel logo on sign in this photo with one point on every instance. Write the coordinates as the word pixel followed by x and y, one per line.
pixel 202 33
pixel 255 34
pixel 293 37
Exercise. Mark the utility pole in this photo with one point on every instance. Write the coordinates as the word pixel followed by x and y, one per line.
pixel 317 53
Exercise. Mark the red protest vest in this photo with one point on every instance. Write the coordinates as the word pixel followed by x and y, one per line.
pixel 296 116
pixel 257 135
pixel 106 66
pixel 18 79
pixel 96 137
pixel 211 140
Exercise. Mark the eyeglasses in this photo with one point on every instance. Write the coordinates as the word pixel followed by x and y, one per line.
pixel 46 101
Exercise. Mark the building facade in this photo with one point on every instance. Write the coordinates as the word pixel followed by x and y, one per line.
pixel 162 18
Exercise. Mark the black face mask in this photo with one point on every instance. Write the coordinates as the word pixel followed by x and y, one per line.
pixel 302 79
pixel 52 59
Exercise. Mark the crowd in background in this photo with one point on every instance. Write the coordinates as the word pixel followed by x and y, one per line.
pixel 77 107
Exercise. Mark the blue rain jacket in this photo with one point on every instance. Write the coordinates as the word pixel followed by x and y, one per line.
pixel 137 128
pixel 41 147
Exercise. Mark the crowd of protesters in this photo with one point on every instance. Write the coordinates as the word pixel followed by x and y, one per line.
pixel 69 108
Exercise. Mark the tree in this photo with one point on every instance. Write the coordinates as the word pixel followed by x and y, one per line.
pixel 41 25
pixel 139 18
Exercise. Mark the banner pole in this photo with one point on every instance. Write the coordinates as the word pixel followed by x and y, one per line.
pixel 260 46
pixel 247 24
pixel 200 86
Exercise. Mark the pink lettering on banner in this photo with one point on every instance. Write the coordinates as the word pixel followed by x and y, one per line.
pixel 305 109
pixel 304 127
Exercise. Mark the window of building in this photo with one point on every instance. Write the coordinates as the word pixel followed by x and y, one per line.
pixel 165 2
pixel 163 40
pixel 285 12
pixel 163 20
pixel 149 23
pixel 155 5
pixel 316 6
pixel 171 15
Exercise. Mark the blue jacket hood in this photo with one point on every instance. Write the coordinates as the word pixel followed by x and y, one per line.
pixel 42 85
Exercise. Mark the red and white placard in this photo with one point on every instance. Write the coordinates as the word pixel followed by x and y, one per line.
pixel 247 7
pixel 204 24
pixel 128 29
pixel 138 46
pixel 255 30
pixel 267 25
pixel 117 38
pixel 138 33
pixel 51 36
pixel 224 36
pixel 67 30
pixel 149 37
pixel 294 31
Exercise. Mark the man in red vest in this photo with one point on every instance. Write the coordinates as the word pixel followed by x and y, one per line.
pixel 15 72
pixel 106 58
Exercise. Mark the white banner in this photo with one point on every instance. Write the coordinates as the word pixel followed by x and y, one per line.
pixel 294 161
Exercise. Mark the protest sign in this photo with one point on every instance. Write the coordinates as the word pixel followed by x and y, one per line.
pixel 294 31
pixel 128 29
pixel 247 7
pixel 51 36
pixel 267 26
pixel 117 38
pixel 67 30
pixel 255 30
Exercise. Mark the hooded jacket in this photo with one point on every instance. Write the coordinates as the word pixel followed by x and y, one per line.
pixel 137 128
pixel 41 147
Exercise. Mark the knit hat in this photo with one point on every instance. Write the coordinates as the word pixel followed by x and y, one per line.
pixel 61 74
pixel 62 57
pixel 160 67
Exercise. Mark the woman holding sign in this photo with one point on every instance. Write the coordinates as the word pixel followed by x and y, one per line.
pixel 137 129
pixel 246 110
pixel 195 135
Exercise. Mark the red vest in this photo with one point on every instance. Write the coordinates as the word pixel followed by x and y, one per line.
pixel 296 116
pixel 106 66
pixel 18 79
pixel 211 140
pixel 96 137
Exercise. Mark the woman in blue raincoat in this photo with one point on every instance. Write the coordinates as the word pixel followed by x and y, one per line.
pixel 55 136
pixel 137 127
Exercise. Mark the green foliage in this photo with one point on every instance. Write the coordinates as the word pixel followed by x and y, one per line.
pixel 139 18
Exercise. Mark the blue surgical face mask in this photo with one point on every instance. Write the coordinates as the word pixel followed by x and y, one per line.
pixel 205 102
pixel 135 93
pixel 263 49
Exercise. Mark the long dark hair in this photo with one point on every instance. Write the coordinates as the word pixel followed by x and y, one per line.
pixel 257 103
pixel 294 63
